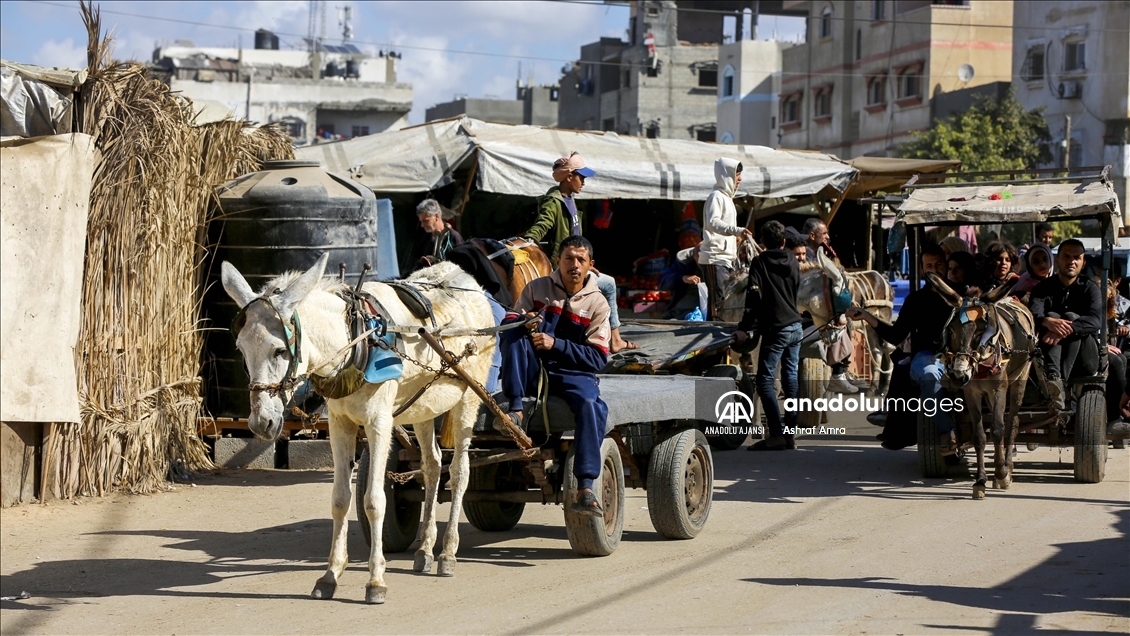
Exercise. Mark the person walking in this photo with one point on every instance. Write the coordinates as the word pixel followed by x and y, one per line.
pixel 558 218
pixel 720 245
pixel 774 277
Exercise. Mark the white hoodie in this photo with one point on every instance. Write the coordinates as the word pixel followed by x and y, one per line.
pixel 720 218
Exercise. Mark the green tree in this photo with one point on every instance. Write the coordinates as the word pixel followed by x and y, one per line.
pixel 994 134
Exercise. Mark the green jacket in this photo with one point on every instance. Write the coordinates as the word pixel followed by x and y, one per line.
pixel 552 224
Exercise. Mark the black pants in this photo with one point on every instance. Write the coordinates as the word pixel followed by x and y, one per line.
pixel 715 276
pixel 902 426
pixel 1115 384
pixel 1060 359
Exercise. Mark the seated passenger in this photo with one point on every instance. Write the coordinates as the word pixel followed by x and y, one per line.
pixel 688 291
pixel 923 317
pixel 571 344
pixel 1039 260
pixel 962 273
pixel 1068 310
pixel 1001 263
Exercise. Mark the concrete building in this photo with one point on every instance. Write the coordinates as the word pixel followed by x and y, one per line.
pixel 338 90
pixel 662 82
pixel 1073 60
pixel 532 105
pixel 748 86
pixel 866 76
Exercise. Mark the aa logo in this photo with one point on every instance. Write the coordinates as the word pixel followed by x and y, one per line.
pixel 734 412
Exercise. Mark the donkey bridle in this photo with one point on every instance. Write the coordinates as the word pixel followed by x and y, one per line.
pixel 293 334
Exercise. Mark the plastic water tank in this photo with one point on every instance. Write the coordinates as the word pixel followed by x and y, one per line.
pixel 273 221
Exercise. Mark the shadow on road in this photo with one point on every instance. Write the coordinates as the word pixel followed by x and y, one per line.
pixel 1089 576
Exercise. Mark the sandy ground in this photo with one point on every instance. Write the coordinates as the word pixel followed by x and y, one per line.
pixel 838 537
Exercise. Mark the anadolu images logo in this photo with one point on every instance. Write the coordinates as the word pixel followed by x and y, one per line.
pixel 734 412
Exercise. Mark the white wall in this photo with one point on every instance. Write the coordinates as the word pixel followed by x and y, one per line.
pixel 749 114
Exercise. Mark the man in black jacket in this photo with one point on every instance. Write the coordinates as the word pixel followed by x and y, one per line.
pixel 923 317
pixel 1068 309
pixel 774 277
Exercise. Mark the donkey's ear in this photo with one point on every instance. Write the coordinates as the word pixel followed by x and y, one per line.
pixel 830 268
pixel 299 289
pixel 945 290
pixel 236 285
pixel 999 293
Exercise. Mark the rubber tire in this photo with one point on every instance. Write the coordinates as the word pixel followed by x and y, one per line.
pixel 811 383
pixel 597 536
pixel 1090 437
pixel 930 456
pixel 402 518
pixel 492 516
pixel 667 473
pixel 744 384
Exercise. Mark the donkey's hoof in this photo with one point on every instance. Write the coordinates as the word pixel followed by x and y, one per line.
pixel 375 594
pixel 324 590
pixel 1002 484
pixel 423 562
pixel 446 566
pixel 978 491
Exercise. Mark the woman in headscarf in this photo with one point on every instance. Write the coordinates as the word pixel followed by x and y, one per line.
pixel 1039 261
pixel 961 270
pixel 951 244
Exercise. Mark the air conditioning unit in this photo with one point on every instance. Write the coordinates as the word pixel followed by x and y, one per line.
pixel 1070 90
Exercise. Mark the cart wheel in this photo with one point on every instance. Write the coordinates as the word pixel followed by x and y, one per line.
pixel 597 536
pixel 1090 437
pixel 929 451
pixel 680 484
pixel 402 518
pixel 812 375
pixel 730 441
pixel 495 516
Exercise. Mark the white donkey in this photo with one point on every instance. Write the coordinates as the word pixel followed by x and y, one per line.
pixel 269 341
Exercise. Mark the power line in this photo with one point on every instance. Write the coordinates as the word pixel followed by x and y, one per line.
pixel 390 45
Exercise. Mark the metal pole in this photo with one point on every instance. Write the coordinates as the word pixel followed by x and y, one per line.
pixel 1067 142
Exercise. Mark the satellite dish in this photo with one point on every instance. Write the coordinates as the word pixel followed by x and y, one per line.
pixel 965 72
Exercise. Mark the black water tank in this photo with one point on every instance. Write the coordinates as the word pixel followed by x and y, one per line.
pixel 276 220
pixel 352 68
pixel 264 39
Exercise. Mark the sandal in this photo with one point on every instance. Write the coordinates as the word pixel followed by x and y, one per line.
pixel 514 416
pixel 588 505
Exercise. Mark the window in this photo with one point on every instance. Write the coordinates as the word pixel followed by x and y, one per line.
pixel 705 134
pixel 294 127
pixel 708 78
pixel 826 23
pixel 653 70
pixel 553 94
pixel 653 12
pixel 609 124
pixel 728 82
pixel 858 44
pixel 910 82
pixel 877 91
pixel 773 122
pixel 790 110
pixel 1033 69
pixel 628 78
pixel 652 131
pixel 822 103
pixel 878 10
pixel 360 131
pixel 1075 56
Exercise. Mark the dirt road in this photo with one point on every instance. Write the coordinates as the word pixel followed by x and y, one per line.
pixel 838 537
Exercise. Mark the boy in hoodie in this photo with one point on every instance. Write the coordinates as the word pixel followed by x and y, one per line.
pixel 720 231
pixel 558 218
pixel 775 275
pixel 571 343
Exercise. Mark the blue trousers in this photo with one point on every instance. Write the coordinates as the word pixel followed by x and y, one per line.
pixel 607 286
pixel 926 370
pixel 580 391
pixel 778 347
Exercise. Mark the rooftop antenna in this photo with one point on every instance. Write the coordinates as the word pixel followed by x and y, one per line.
pixel 345 21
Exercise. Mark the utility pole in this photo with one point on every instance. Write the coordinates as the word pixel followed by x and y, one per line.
pixel 1067 142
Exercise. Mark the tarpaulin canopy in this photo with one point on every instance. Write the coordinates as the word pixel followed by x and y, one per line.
pixel 518 159
pixel 890 173
pixel 37 101
pixel 1014 203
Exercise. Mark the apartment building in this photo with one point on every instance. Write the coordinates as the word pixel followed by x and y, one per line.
pixel 1073 60
pixel 748 86
pixel 864 80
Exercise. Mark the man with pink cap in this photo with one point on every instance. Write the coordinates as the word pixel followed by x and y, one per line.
pixel 558 218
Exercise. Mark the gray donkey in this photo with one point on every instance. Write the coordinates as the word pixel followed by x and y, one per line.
pixel 987 352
